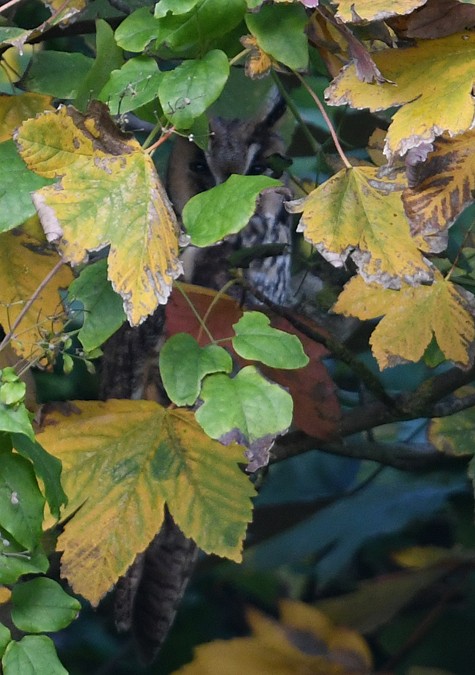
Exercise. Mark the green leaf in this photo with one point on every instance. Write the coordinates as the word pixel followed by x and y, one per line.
pixel 5 637
pixel 256 340
pixel 207 20
pixel 59 74
pixel 246 406
pixel 32 655
pixel 21 502
pixel 280 32
pixel 16 182
pixel 16 420
pixel 225 209
pixel 41 606
pixel 15 561
pixel 137 30
pixel 184 364
pixel 47 468
pixel 12 392
pixel 134 85
pixel 103 311
pixel 188 90
pixel 174 7
pixel 109 57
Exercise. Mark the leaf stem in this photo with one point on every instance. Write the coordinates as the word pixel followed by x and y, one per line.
pixel 7 5
pixel 328 121
pixel 316 147
pixel 164 137
pixel 239 56
pixel 29 303
pixel 147 143
pixel 195 312
pixel 216 299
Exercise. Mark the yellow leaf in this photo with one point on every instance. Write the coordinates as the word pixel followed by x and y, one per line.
pixel 432 81
pixel 258 63
pixel 24 264
pixel 122 460
pixel 109 192
pixel 443 186
pixel 304 641
pixel 356 213
pixel 412 316
pixel 16 109
pixel 5 594
pixel 453 435
pixel 419 557
pixel 374 10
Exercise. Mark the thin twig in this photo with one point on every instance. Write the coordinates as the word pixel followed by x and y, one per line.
pixel 29 303
pixel 328 121
pixel 7 5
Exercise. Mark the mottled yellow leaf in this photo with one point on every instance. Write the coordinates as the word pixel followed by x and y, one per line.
pixel 412 317
pixel 432 81
pixel 454 434
pixel 304 641
pixel 109 192
pixel 441 187
pixel 16 109
pixel 122 461
pixel 356 213
pixel 24 264
pixel 374 10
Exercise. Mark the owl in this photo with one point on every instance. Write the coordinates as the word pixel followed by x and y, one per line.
pixel 147 597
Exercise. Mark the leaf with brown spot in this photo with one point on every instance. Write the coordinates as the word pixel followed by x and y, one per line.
pixel 432 85
pixel 108 193
pixel 441 187
pixel 119 480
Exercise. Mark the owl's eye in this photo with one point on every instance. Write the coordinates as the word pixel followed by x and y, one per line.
pixel 256 169
pixel 198 167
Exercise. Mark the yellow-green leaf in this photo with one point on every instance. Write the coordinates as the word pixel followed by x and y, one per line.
pixel 432 81
pixel 121 478
pixel 108 193
pixel 412 317
pixel 442 187
pixel 16 109
pixel 351 11
pixel 24 264
pixel 359 214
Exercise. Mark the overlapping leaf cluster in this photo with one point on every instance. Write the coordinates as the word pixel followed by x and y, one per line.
pixel 67 165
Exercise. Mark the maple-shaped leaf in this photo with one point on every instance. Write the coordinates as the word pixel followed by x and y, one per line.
pixel 24 264
pixel 432 81
pixel 303 641
pixel 413 316
pixel 16 109
pixel 355 11
pixel 109 193
pixel 120 479
pixel 359 214
pixel 441 187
